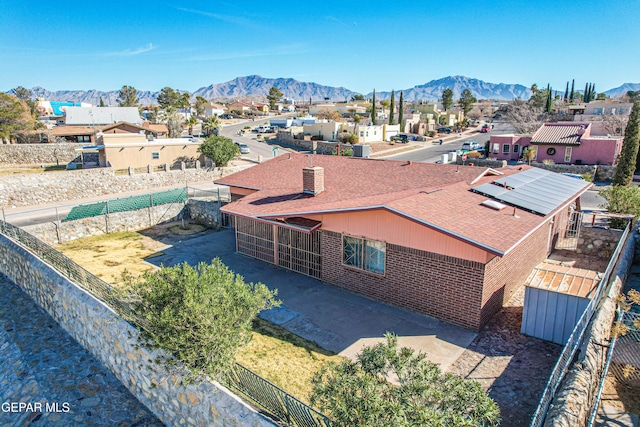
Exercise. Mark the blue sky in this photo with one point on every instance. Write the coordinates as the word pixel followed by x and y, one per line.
pixel 358 45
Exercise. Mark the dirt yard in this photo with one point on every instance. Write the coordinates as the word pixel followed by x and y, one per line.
pixel 513 368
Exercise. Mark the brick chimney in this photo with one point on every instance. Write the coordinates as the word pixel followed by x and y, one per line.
pixel 313 180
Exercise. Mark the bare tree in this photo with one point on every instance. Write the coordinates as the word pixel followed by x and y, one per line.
pixel 614 125
pixel 524 117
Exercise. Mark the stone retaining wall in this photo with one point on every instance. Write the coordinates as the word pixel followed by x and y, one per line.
pixel 33 154
pixel 320 147
pixel 206 212
pixel 115 343
pixel 64 231
pixel 599 242
pixel 601 173
pixel 37 189
pixel 576 395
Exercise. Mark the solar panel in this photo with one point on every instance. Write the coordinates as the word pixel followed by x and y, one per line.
pixel 536 190
pixel 490 190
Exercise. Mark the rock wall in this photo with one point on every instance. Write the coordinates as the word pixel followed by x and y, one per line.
pixel 601 173
pixel 33 154
pixel 37 189
pixel 64 231
pixel 576 395
pixel 320 147
pixel 115 343
pixel 206 212
pixel 598 242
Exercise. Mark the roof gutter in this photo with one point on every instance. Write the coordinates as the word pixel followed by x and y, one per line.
pixel 428 224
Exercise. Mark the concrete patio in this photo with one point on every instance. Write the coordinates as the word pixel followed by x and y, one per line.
pixel 335 319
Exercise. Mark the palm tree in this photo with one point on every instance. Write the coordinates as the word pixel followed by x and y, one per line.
pixel 192 120
pixel 209 124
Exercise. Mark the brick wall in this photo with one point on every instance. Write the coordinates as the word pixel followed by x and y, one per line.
pixel 503 275
pixel 444 287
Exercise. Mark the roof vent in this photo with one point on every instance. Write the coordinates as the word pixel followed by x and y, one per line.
pixel 493 204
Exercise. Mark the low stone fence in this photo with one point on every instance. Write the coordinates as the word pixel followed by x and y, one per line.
pixel 31 154
pixel 319 147
pixel 52 187
pixel 601 173
pixel 205 212
pixel 116 344
pixel 65 231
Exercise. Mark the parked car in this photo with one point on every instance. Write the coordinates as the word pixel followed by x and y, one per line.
pixel 226 116
pixel 470 146
pixel 401 138
pixel 485 128
pixel 444 130
pixel 244 148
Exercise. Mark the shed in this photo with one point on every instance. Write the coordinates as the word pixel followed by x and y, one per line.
pixel 555 298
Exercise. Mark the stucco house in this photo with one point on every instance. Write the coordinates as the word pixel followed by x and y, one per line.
pixel 442 240
pixel 124 150
pixel 562 143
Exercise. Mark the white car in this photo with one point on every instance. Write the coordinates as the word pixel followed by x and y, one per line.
pixel 244 148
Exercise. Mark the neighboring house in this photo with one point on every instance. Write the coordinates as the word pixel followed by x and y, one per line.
pixel 248 107
pixel 567 143
pixel 344 108
pixel 597 110
pixel 430 238
pixel 444 118
pixel 331 131
pixel 88 133
pixel 121 151
pixel 295 121
pixel 56 108
pixel 214 110
pixel 96 116
pixel 239 107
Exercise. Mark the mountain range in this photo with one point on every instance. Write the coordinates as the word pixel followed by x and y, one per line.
pixel 258 87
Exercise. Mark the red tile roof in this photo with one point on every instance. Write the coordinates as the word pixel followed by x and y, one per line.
pixel 561 134
pixel 437 196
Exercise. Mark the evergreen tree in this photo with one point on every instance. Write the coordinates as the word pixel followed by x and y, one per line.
pixel 101 102
pixel 566 92
pixel 629 157
pixel 586 93
pixel 401 112
pixel 466 101
pixel 572 94
pixel 549 103
pixel 447 98
pixel 128 97
pixel 392 106
pixel 594 94
pixel 373 108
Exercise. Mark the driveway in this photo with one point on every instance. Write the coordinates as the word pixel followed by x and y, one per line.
pixel 337 320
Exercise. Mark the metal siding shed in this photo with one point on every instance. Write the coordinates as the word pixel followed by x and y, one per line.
pixel 555 298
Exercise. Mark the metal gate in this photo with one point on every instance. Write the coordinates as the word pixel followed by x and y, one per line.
pixel 299 251
pixel 254 238
pixel 569 233
pixel 281 246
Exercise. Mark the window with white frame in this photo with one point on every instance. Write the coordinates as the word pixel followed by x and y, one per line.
pixel 496 148
pixel 365 254
pixel 506 148
pixel 567 155
pixel 597 111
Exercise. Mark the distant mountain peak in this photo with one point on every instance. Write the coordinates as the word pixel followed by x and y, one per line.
pixel 256 86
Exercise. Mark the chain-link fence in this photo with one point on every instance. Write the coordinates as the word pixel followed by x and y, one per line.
pixel 625 360
pixel 267 396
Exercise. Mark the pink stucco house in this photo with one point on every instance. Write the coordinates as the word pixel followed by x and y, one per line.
pixel 563 143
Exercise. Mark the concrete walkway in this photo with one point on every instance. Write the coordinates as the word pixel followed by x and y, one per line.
pixel 41 364
pixel 337 320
